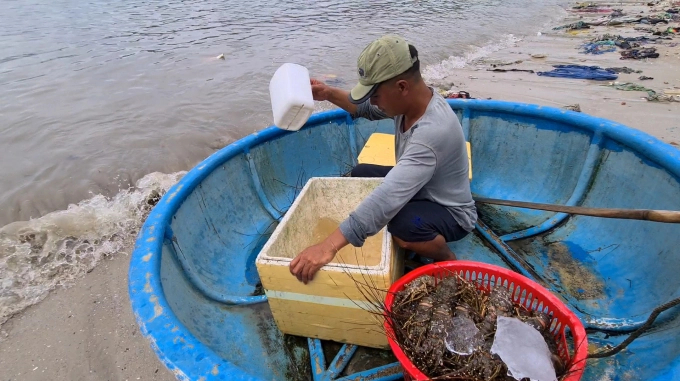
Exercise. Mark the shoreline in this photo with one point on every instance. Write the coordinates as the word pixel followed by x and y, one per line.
pixel 593 97
pixel 88 332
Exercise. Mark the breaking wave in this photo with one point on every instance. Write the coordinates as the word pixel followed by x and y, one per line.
pixel 38 255
pixel 437 73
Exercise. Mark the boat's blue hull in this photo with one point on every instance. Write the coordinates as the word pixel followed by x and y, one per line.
pixel 193 280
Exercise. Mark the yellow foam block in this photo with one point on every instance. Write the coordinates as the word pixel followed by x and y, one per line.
pixel 469 151
pixel 379 150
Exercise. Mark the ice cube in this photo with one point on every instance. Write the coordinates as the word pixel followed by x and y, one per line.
pixel 462 336
pixel 523 350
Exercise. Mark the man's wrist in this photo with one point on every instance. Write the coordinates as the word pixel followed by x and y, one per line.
pixel 330 247
pixel 334 242
pixel 335 95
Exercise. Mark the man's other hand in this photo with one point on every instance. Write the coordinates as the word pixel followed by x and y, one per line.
pixel 310 260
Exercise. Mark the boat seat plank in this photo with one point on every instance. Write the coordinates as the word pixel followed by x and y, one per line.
pixel 379 150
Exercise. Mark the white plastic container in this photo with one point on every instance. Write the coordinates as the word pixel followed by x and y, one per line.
pixel 291 96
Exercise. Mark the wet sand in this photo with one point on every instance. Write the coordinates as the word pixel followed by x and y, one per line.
pixel 88 332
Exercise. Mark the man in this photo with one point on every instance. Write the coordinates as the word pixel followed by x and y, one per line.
pixel 424 200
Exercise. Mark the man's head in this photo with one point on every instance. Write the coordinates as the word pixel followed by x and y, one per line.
pixel 389 71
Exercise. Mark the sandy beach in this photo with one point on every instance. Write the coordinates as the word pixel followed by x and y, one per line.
pixel 88 332
pixel 85 332
pixel 660 119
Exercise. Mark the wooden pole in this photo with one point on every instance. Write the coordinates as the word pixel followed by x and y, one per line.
pixel 667 216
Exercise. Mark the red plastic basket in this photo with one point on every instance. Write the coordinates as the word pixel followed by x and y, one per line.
pixel 523 290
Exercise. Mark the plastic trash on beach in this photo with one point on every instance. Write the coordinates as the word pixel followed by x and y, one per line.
pixel 462 336
pixel 523 350
pixel 291 96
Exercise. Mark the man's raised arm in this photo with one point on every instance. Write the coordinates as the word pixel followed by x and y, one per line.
pixel 323 92
pixel 340 98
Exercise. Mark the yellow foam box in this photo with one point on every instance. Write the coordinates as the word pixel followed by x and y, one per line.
pixel 379 150
pixel 334 306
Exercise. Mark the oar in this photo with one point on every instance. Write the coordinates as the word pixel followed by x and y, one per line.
pixel 668 216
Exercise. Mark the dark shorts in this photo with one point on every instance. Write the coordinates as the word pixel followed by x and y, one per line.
pixel 418 220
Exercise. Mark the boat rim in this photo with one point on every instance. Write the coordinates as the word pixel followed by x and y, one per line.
pixel 159 324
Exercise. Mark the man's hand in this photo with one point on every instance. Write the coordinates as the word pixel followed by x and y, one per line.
pixel 313 258
pixel 307 263
pixel 320 91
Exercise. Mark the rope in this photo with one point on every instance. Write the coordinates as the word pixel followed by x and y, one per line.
pixel 645 327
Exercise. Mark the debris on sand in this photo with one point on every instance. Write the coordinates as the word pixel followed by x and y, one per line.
pixel 575 107
pixel 579 72
pixel 628 86
pixel 637 54
pixel 624 70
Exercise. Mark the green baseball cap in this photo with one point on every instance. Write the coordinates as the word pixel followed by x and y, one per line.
pixel 383 59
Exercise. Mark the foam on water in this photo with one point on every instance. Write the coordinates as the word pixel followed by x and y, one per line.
pixel 434 74
pixel 38 255
pixel 439 72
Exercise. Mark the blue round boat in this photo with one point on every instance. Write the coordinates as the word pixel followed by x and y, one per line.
pixel 195 289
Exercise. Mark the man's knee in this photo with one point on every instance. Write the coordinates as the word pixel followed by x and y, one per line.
pixel 403 244
pixel 435 249
pixel 370 170
pixel 410 245
pixel 407 229
pixel 358 171
pixel 421 222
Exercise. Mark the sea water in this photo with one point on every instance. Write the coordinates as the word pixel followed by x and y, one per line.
pixel 106 103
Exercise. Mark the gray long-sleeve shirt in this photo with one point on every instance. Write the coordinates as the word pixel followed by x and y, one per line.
pixel 431 164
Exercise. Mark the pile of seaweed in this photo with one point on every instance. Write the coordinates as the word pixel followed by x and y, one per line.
pixel 446 327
